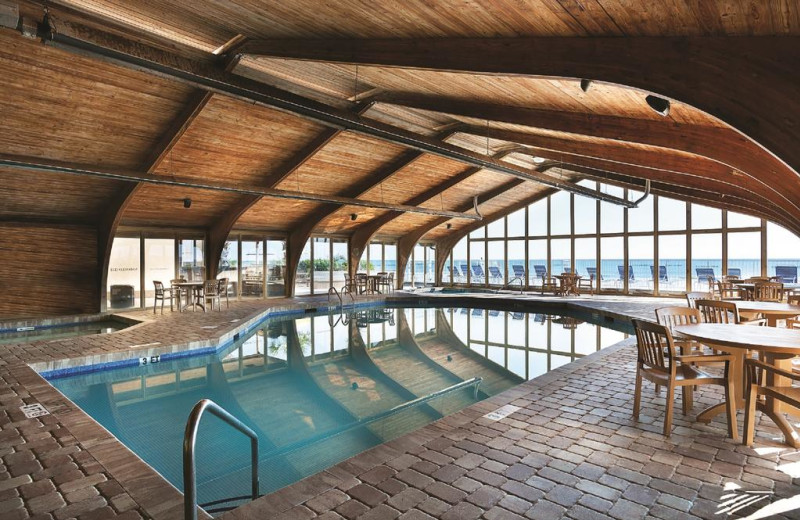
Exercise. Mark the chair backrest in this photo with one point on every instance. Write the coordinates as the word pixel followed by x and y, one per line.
pixel 222 286
pixel 734 271
pixel 728 291
pixel 768 292
pixel 477 270
pixel 540 270
pixel 793 298
pixel 568 270
pixel 705 273
pixel 621 269
pixel 592 272
pixel 787 273
pixel 210 287
pixel 518 270
pixel 654 345
pixel 715 311
pixel 672 316
pixel 495 271
pixel 662 273
pixel 692 297
pixel 159 288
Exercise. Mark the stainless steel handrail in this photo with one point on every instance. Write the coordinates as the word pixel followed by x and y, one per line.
pixel 189 441
pixel 521 283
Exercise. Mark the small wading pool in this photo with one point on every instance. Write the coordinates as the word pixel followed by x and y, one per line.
pixel 319 389
pixel 53 332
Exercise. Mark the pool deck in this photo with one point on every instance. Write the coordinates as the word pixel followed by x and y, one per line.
pixel 570 450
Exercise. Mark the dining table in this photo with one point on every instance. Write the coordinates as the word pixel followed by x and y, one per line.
pixel 189 288
pixel 772 311
pixel 749 288
pixel 774 346
pixel 569 283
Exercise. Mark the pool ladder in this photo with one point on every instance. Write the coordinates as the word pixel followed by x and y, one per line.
pixel 190 468
pixel 340 295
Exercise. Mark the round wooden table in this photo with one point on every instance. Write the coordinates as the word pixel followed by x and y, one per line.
pixel 190 288
pixel 569 283
pixel 772 311
pixel 775 346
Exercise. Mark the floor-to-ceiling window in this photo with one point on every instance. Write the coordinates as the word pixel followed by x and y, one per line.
pixel 124 273
pixel 229 267
pixel 662 246
pixel 252 267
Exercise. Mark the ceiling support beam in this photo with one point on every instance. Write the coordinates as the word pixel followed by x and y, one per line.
pixel 299 237
pixel 747 82
pixel 208 75
pixel 109 221
pixel 704 172
pixel 363 234
pixel 218 233
pixel 721 144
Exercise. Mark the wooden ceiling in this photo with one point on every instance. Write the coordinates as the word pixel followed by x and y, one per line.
pixel 62 106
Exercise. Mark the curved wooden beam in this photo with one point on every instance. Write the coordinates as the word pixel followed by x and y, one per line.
pixel 721 144
pixel 705 173
pixel 747 82
pixel 109 221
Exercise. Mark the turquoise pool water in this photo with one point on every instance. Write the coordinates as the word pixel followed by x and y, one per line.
pixel 320 389
pixel 49 333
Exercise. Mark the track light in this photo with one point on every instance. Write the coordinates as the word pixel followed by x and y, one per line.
pixel 187 203
pixel 353 216
pixel 658 104
pixel 449 225
pixel 585 84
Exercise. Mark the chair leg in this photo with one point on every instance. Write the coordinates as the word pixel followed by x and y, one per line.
pixel 162 306
pixel 637 395
pixel 750 415
pixel 730 408
pixel 657 390
pixel 155 304
pixel 670 405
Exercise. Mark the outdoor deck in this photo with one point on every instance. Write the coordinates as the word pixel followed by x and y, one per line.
pixel 571 449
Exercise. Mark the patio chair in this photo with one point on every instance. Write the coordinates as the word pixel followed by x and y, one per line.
pixel 540 270
pixel 177 291
pixel 658 362
pixel 768 292
pixel 728 291
pixel 706 274
pixel 734 272
pixel 519 271
pixel 673 316
pixel 495 274
pixel 385 282
pixel 715 311
pixel 758 385
pixel 222 290
pixel 662 273
pixel 361 283
pixel 692 297
pixel 162 294
pixel 787 273
pixel 588 283
pixel 465 272
pixel 211 294
pixel 478 274
pixel 551 284
pixel 621 269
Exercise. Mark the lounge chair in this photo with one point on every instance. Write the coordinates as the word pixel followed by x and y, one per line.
pixel 621 269
pixel 589 283
pixel 662 273
pixel 734 272
pixel 495 275
pixel 519 271
pixel 540 270
pixel 478 275
pixel 707 274
pixel 787 273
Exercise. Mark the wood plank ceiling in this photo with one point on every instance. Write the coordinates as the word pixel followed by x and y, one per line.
pixel 61 106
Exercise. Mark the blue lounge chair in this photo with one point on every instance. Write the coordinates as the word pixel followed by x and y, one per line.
pixel 621 269
pixel 735 271
pixel 495 274
pixel 662 273
pixel 707 274
pixel 540 270
pixel 477 273
pixel 787 273
pixel 519 271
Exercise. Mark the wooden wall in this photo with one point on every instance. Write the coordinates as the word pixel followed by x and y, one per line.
pixel 47 270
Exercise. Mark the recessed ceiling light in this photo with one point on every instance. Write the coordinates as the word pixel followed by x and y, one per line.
pixel 538 160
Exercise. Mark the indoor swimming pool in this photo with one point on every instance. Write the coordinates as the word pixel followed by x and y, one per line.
pixel 318 389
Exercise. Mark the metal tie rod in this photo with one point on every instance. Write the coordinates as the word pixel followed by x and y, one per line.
pixel 189 441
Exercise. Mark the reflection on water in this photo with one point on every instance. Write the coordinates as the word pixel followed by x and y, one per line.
pixel 320 389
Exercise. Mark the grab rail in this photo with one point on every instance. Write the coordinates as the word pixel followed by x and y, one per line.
pixel 521 283
pixel 189 440
pixel 333 290
pixel 345 290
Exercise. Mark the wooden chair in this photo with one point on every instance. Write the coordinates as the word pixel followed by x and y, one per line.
pixel 588 283
pixel 162 294
pixel 671 317
pixel 759 385
pixel 361 283
pixel 728 291
pixel 551 284
pixel 177 291
pixel 715 311
pixel 222 290
pixel 692 297
pixel 211 294
pixel 768 292
pixel 658 362
pixel 349 285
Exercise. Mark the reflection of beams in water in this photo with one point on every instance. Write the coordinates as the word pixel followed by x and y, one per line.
pixel 359 423
pixel 409 343
pixel 362 358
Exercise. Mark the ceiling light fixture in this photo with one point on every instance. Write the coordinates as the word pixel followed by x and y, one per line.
pixel 539 160
pixel 187 203
pixel 585 84
pixel 353 216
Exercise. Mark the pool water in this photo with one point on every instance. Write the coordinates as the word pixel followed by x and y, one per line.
pixel 320 389
pixel 49 333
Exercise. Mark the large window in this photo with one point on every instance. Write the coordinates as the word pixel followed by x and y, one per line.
pixel 663 246
pixel 252 268
pixel 159 265
pixel 124 273
pixel 229 267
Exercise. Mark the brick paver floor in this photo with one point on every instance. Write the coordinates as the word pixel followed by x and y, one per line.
pixel 571 450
